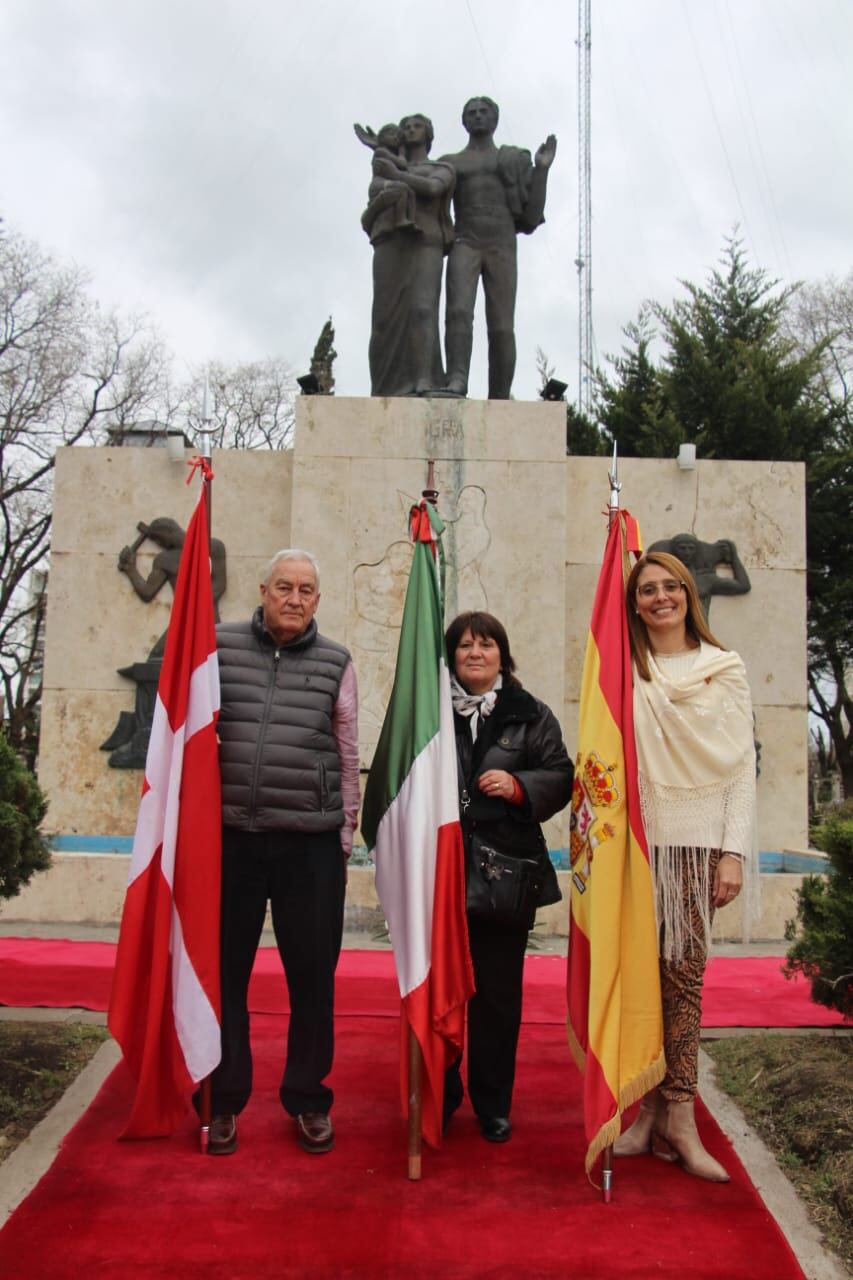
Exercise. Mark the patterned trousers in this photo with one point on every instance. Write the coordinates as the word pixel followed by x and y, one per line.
pixel 681 993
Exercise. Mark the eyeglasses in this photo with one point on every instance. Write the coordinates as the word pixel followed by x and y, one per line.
pixel 649 590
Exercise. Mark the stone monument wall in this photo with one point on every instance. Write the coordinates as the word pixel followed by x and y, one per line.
pixel 525 536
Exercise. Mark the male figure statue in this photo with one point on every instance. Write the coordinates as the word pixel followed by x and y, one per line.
pixel 289 762
pixel 499 192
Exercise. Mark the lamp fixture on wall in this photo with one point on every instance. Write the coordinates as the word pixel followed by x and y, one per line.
pixel 686 457
pixel 553 390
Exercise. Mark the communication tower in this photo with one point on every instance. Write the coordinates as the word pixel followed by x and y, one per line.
pixel 583 261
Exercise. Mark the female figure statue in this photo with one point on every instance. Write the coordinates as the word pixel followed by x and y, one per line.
pixel 409 243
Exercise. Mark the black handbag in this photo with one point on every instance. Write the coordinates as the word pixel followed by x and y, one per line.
pixel 501 888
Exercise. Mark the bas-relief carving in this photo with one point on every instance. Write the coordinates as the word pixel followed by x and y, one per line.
pixel 128 742
pixel 379 593
pixel 467 542
pixel 704 559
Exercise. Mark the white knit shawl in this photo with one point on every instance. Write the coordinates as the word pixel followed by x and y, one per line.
pixel 696 758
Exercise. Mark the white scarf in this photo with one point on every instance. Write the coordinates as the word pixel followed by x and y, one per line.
pixel 474 705
pixel 696 759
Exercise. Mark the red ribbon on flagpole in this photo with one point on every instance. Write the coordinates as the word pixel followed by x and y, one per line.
pixel 196 462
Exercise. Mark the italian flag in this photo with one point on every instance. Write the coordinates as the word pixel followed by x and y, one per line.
pixel 615 1026
pixel 410 820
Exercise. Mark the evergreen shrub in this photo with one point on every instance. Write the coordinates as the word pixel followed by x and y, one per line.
pixel 823 951
pixel 23 849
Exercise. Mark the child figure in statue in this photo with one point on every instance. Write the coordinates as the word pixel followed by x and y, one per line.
pixel 391 204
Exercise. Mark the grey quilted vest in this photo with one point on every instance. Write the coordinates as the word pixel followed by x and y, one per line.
pixel 278 755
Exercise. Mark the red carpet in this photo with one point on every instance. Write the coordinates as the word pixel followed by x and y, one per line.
pixel 158 1209
pixel 738 992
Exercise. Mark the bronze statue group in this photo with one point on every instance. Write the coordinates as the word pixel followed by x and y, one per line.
pixel 468 207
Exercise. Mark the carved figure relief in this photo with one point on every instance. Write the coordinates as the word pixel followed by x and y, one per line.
pixel 467 541
pixel 379 590
pixel 704 560
pixel 128 742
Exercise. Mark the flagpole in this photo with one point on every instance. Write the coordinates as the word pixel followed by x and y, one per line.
pixel 416 1061
pixel 416 1058
pixel 205 1106
pixel 615 487
pixel 612 513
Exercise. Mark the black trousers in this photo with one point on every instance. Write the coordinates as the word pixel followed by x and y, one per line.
pixel 303 878
pixel 494 1021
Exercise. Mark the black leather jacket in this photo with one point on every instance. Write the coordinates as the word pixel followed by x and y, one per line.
pixel 523 737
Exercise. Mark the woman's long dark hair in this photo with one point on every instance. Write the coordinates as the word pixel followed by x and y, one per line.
pixel 485 626
pixel 694 622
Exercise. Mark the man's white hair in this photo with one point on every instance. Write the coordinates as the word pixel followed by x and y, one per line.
pixel 292 553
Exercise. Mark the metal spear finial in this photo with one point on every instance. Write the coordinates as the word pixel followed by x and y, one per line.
pixel 615 486
pixel 205 430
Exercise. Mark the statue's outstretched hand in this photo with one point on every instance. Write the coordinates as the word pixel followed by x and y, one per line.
pixel 544 157
pixel 365 134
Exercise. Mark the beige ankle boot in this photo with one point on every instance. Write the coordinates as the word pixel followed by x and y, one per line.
pixel 676 1138
pixel 637 1139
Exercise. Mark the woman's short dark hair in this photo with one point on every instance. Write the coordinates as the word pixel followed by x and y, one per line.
pixel 486 627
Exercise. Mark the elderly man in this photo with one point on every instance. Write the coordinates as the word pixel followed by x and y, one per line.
pixel 289 761
pixel 498 193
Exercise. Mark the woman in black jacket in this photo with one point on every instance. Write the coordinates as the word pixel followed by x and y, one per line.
pixel 514 773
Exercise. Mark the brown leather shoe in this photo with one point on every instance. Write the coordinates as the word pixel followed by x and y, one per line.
pixel 314 1132
pixel 222 1138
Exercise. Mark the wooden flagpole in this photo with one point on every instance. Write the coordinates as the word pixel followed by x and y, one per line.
pixel 415 1107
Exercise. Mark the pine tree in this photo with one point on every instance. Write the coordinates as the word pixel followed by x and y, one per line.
pixel 731 377
pixel 631 408
pixel 324 358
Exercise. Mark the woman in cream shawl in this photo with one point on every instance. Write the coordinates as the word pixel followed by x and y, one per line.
pixel 696 762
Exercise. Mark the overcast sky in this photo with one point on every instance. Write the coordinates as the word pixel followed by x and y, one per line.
pixel 198 158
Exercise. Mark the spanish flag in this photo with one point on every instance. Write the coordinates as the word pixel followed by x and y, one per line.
pixel 615 1025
